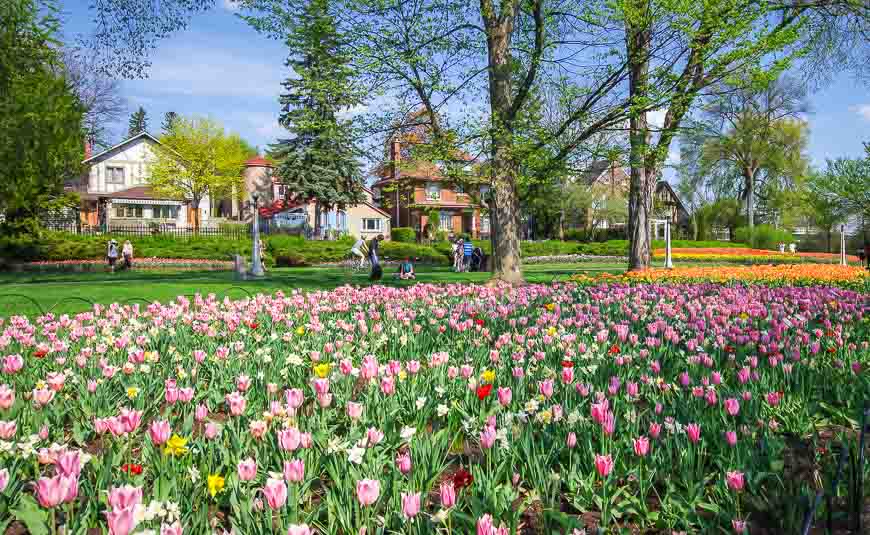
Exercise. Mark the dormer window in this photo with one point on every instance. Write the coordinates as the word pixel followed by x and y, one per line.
pixel 433 191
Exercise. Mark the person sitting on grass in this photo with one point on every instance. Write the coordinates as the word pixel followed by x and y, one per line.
pixel 406 270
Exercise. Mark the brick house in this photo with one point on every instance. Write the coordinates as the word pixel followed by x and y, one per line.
pixel 410 190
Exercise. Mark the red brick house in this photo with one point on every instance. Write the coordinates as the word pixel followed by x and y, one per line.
pixel 410 190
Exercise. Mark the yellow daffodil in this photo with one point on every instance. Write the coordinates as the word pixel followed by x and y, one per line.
pixel 402 375
pixel 488 376
pixel 321 370
pixel 550 307
pixel 132 392
pixel 175 446
pixel 744 315
pixel 40 385
pixel 215 484
pixel 300 331
pixel 551 331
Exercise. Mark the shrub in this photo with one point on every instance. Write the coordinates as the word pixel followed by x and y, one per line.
pixel 763 236
pixel 404 234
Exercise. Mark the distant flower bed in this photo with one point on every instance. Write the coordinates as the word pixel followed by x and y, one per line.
pixel 748 255
pixel 572 259
pixel 138 263
pixel 794 274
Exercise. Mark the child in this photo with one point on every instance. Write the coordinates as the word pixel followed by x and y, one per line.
pixel 406 270
pixel 112 254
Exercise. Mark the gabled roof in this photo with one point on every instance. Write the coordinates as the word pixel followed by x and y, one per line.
pixel 121 144
pixel 664 184
pixel 595 170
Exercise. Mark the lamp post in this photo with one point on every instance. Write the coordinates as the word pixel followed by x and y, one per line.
pixel 669 264
pixel 842 245
pixel 256 264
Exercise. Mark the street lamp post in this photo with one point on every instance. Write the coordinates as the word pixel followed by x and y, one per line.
pixel 669 263
pixel 256 264
pixel 843 245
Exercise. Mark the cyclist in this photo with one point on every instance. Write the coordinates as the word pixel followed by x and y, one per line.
pixel 357 250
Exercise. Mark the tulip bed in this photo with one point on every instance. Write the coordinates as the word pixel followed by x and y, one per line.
pixel 451 409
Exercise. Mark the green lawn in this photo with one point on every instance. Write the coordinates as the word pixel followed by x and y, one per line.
pixel 20 293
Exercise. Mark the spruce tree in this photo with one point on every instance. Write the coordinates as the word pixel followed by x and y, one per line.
pixel 319 160
pixel 169 120
pixel 138 122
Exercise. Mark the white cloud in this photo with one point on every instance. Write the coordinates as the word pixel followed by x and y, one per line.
pixel 862 110
pixel 353 111
pixel 673 156
pixel 231 5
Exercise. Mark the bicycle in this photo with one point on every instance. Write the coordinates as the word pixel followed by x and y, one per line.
pixel 352 264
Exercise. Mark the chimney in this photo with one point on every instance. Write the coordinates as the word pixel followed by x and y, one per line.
pixel 88 148
pixel 396 155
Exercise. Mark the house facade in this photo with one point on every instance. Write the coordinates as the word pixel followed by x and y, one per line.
pixel 364 219
pixel 410 191
pixel 114 190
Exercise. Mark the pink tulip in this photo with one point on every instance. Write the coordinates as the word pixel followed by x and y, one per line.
pixel 693 431
pixel 731 438
pixel 69 463
pixel 410 505
pixel 641 446
pixel 369 368
pixel 171 529
pixel 247 469
pixel 237 403
pixel 131 419
pixel 739 526
pixel 4 479
pixel 403 462
pixel 599 411
pixel 604 465
pixel 609 424
pixel 275 492
pixel 258 428
pixel 388 385
pixel 374 436
pixel 125 497
pixel 295 397
pixel 545 387
pixel 42 396
pixel 294 471
pixel 324 400
pixel 735 481
pixel 321 386
pixel 484 525
pixel 185 395
pixel 201 412
pixel 655 429
pixel 567 375
pixel 289 439
pixel 159 432
pixel 8 429
pixel 299 529
pixel 732 406
pixel 212 430
pixel 367 491
pixel 243 382
pixel 52 491
pixel 12 364
pixel 170 394
pixel 487 437
pixel 121 521
pixel 448 494
pixel 305 440
pixel 504 396
pixel 572 440
pixel 354 410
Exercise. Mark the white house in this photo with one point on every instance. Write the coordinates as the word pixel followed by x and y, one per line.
pixel 115 192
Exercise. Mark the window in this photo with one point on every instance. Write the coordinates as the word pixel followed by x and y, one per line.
pixel 458 189
pixel 433 191
pixel 446 221
pixel 114 175
pixel 372 225
pixel 165 212
pixel 128 210
pixel 280 191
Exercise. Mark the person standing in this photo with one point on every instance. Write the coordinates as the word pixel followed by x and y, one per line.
pixel 457 255
pixel 467 250
pixel 357 250
pixel 792 248
pixel 127 252
pixel 112 254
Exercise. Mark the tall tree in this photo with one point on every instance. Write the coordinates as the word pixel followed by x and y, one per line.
pixel 197 158
pixel 749 133
pixel 169 120
pixel 138 122
pixel 319 161
pixel 848 181
pixel 40 116
pixel 823 207
pixel 99 93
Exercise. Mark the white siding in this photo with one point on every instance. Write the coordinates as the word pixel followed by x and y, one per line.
pixel 133 158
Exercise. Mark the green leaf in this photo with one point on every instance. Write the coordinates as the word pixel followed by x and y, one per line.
pixel 29 512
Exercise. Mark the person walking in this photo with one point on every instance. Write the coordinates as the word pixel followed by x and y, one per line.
pixel 112 254
pixel 457 255
pixel 127 253
pixel 377 271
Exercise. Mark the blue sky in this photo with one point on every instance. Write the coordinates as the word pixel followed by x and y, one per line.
pixel 221 68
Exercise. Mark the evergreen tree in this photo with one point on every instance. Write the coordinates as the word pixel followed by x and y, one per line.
pixel 319 161
pixel 169 120
pixel 138 122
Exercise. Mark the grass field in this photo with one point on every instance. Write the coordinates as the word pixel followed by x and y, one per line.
pixel 27 293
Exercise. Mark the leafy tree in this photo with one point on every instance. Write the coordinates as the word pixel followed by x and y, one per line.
pixel 197 158
pixel 138 122
pixel 40 116
pixel 823 207
pixel 319 162
pixel 169 120
pixel 848 181
pixel 99 93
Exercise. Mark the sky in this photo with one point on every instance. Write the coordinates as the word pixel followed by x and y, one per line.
pixel 220 67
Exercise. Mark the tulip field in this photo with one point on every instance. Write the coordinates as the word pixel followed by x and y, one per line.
pixel 613 405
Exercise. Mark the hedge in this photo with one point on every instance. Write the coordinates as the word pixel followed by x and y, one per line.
pixel 404 234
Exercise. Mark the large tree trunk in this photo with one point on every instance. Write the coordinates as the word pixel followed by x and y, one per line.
pixel 749 176
pixel 317 223
pixel 506 251
pixel 638 39
pixel 195 202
